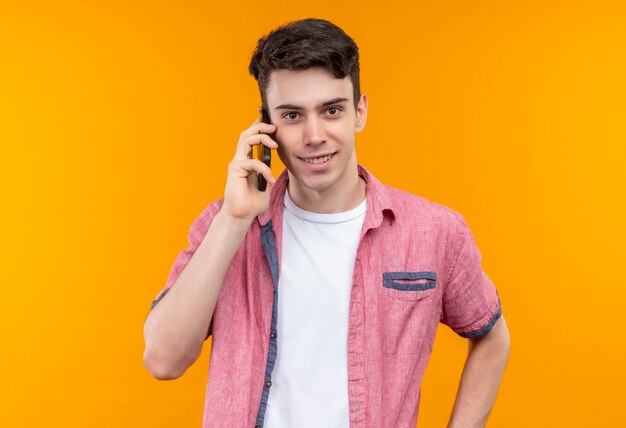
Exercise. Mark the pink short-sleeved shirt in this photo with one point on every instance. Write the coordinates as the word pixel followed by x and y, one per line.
pixel 416 265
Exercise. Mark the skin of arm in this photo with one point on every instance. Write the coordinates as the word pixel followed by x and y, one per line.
pixel 177 326
pixel 486 360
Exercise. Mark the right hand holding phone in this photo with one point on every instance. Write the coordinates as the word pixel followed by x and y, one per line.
pixel 242 199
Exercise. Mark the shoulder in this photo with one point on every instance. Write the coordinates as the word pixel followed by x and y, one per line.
pixel 211 210
pixel 419 211
pixel 202 222
pixel 433 222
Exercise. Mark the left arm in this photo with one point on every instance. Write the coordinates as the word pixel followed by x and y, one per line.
pixel 486 359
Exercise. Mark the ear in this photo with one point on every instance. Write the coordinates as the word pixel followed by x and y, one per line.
pixel 361 114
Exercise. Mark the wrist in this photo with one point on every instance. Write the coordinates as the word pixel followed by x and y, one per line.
pixel 232 224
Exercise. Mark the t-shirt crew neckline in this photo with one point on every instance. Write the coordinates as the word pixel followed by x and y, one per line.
pixel 332 218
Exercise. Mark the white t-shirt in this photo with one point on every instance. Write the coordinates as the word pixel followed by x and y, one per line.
pixel 310 378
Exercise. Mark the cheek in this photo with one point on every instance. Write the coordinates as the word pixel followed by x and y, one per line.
pixel 286 139
pixel 283 139
pixel 281 154
pixel 343 137
pixel 343 129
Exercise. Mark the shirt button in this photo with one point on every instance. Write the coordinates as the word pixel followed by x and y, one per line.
pixel 257 426
pixel 268 383
pixel 273 335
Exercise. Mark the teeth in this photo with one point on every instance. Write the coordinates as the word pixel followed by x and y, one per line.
pixel 318 160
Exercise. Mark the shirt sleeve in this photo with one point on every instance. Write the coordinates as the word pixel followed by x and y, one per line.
pixel 471 305
pixel 196 234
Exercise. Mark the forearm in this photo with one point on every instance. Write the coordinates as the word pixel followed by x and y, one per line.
pixel 484 367
pixel 177 326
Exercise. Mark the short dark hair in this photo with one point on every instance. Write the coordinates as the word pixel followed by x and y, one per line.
pixel 305 44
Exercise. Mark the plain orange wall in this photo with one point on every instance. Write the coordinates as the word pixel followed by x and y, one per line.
pixel 117 121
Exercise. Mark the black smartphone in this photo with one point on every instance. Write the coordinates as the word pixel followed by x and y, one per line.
pixel 264 153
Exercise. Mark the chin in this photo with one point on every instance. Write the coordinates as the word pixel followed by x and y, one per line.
pixel 316 184
pixel 320 184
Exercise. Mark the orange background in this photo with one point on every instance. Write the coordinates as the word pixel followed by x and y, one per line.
pixel 117 121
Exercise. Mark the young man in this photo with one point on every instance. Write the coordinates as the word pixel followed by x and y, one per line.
pixel 324 292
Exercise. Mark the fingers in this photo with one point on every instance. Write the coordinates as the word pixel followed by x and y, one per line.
pixel 246 142
pixel 244 167
pixel 258 127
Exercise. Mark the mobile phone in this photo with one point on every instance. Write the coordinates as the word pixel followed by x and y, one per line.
pixel 262 152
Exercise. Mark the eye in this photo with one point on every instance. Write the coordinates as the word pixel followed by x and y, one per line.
pixel 292 115
pixel 333 111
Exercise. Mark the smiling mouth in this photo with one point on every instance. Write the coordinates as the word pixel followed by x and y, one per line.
pixel 318 160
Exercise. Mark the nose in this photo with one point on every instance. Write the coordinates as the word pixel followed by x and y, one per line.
pixel 314 132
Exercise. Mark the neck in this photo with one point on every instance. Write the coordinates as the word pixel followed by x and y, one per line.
pixel 347 194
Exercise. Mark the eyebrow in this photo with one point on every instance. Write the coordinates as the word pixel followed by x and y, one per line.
pixel 324 104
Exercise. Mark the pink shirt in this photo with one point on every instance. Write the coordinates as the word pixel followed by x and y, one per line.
pixel 416 265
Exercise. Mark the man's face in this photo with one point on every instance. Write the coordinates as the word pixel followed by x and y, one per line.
pixel 316 125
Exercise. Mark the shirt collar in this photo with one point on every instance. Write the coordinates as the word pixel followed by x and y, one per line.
pixel 378 200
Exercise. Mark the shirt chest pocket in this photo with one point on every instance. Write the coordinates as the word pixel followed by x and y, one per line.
pixel 408 311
